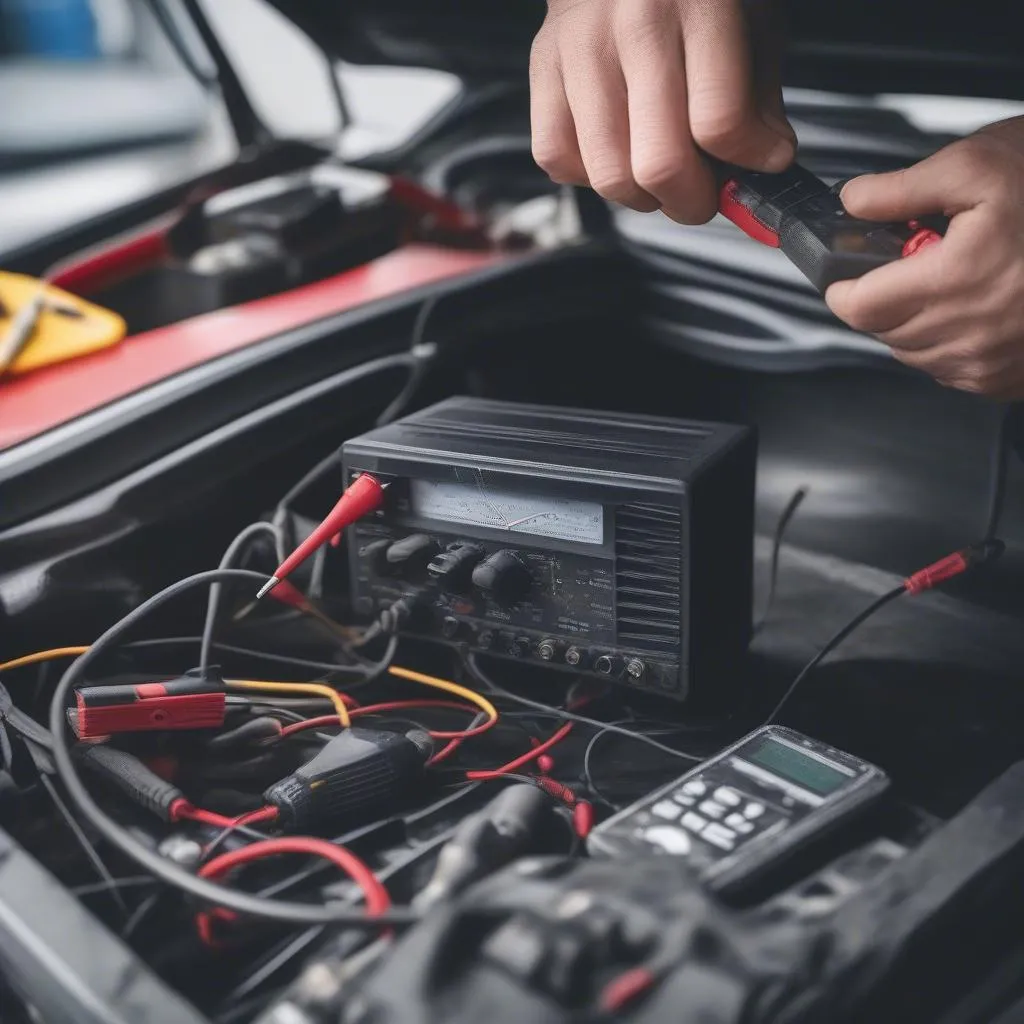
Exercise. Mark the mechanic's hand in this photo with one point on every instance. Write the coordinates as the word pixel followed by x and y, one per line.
pixel 956 309
pixel 625 92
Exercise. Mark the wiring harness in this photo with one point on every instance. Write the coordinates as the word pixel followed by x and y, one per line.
pixel 210 781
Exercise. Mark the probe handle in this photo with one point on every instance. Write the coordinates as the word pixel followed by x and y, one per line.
pixel 795 211
pixel 132 777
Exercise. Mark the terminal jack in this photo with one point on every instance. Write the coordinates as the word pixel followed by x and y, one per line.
pixel 577 657
pixel 548 649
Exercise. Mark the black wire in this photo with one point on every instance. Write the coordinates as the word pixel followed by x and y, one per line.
pixel 346 838
pixel 225 833
pixel 997 496
pixel 141 913
pixel 833 643
pixel 83 841
pixel 325 667
pixel 1000 466
pixel 115 883
pixel 588 778
pixel 781 526
pixel 181 47
pixel 421 355
pixel 472 664
pixel 376 670
pixel 125 841
pixel 270 964
pixel 337 91
pixel 245 1009
pixel 332 461
pixel 278 959
pixel 232 552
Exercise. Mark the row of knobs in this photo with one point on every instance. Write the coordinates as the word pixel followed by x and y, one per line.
pixel 501 577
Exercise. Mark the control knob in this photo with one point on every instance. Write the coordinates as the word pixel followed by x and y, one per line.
pixel 453 567
pixel 503 578
pixel 376 555
pixel 410 556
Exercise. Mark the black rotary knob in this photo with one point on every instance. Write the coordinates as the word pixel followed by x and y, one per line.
pixel 376 555
pixel 410 555
pixel 503 578
pixel 453 567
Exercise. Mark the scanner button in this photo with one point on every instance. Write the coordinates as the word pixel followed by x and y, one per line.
pixel 670 839
pixel 718 836
pixel 694 822
pixel 666 809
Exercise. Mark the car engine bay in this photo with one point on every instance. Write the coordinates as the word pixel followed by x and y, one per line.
pixel 728 731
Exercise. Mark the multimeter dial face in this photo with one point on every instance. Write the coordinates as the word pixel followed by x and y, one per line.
pixel 581 522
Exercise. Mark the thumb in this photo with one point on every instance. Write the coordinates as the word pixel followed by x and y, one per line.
pixel 945 183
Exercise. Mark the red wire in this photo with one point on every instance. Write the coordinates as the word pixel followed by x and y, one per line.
pixel 393 705
pixel 445 752
pixel 254 817
pixel 93 271
pixel 530 755
pixel 309 723
pixel 625 988
pixel 183 810
pixel 377 899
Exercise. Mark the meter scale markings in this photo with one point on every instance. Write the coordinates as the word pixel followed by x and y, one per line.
pixel 558 518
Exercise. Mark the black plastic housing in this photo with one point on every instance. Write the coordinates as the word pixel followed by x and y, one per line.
pixel 662 603
pixel 358 770
pixel 797 212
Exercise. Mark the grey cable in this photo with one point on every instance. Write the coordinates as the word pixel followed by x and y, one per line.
pixel 252 530
pixel 474 668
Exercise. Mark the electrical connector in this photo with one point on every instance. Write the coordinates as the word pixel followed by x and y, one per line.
pixel 358 770
pixel 188 702
pixel 953 565
pixel 514 824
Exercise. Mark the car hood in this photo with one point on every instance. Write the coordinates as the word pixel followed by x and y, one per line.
pixel 942 47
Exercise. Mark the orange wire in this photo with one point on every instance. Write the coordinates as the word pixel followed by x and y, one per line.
pixel 370 709
pixel 41 656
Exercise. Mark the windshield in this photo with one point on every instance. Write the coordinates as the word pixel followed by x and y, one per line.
pixel 100 107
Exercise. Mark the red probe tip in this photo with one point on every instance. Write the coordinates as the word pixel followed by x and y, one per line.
pixel 267 587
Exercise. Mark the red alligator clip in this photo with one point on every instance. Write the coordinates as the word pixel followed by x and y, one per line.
pixel 188 702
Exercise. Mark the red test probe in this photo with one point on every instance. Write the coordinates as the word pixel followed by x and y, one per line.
pixel 362 496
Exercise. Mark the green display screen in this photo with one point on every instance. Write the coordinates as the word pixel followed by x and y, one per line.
pixel 791 764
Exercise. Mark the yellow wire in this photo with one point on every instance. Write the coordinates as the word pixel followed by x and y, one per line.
pixel 443 684
pixel 39 656
pixel 313 689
